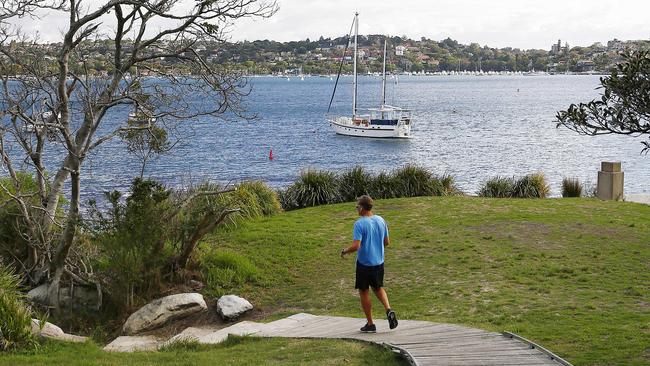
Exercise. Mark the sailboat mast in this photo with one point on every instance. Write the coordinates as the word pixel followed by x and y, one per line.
pixel 354 81
pixel 383 79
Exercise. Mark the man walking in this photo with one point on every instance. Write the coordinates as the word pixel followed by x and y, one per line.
pixel 369 239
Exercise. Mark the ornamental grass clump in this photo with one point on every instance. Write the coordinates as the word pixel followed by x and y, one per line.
pixel 15 318
pixel 497 187
pixel 571 187
pixel 531 186
pixel 267 199
pixel 384 185
pixel 314 188
pixel 354 183
pixel 224 270
pixel 414 181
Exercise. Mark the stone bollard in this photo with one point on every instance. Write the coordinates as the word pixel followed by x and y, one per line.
pixel 610 181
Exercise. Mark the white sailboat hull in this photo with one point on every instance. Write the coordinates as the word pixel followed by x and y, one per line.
pixel 345 126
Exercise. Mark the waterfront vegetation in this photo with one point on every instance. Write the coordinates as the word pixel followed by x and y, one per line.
pixel 235 351
pixel 570 274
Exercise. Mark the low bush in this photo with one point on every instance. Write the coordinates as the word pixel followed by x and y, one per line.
pixel 414 181
pixel 354 183
pixel 15 318
pixel 571 187
pixel 313 188
pixel 497 187
pixel 384 185
pixel 267 199
pixel 531 186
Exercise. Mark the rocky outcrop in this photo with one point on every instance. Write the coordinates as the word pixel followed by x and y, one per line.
pixel 231 307
pixel 132 344
pixel 158 312
pixel 51 331
pixel 80 296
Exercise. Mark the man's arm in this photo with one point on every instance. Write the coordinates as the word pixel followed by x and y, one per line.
pixel 352 248
pixel 386 241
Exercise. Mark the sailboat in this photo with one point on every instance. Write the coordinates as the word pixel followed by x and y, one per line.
pixel 384 122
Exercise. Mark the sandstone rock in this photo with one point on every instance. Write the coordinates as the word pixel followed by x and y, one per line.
pixel 160 311
pixel 189 334
pixel 131 344
pixel 82 296
pixel 51 331
pixel 230 307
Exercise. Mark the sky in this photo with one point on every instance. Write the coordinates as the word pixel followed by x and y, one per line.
pixel 521 24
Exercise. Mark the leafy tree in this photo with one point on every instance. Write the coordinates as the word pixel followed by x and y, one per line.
pixel 67 106
pixel 624 107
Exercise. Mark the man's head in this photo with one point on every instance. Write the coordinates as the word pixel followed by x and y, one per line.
pixel 364 203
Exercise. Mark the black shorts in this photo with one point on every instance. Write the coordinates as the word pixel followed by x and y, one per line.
pixel 369 276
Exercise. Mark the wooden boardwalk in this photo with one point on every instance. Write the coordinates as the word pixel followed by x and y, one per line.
pixel 420 342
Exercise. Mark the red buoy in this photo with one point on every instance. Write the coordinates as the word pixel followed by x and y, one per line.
pixel 271 154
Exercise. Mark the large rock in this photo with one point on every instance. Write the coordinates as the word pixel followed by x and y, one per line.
pixel 51 331
pixel 231 307
pixel 131 344
pixel 82 296
pixel 161 311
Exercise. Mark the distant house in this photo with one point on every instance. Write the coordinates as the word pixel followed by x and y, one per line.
pixel 585 66
pixel 399 50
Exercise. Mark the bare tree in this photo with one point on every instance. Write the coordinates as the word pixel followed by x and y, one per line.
pixel 60 102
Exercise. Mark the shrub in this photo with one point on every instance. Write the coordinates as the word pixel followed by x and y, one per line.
pixel 449 187
pixel 267 199
pixel 531 186
pixel 314 188
pixel 354 183
pixel 384 185
pixel 413 181
pixel 497 187
pixel 131 238
pixel 224 270
pixel 15 318
pixel 571 187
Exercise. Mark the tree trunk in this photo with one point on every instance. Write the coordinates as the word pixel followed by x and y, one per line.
pixel 57 266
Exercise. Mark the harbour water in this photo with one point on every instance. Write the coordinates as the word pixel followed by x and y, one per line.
pixel 473 127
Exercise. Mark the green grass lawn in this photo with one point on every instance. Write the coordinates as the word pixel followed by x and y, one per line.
pixel 570 274
pixel 235 351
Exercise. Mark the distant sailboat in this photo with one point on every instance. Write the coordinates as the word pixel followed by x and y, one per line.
pixel 383 122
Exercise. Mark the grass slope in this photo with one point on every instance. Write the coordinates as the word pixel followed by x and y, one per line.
pixel 570 274
pixel 235 351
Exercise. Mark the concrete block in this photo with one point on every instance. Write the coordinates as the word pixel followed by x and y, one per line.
pixel 610 166
pixel 610 185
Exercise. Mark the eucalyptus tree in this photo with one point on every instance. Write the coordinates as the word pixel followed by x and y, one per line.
pixel 624 107
pixel 55 108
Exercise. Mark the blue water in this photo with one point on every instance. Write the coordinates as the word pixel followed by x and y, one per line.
pixel 471 127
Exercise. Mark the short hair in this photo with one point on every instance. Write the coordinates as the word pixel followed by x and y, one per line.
pixel 365 202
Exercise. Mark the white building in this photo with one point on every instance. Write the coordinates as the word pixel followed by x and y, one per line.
pixel 399 50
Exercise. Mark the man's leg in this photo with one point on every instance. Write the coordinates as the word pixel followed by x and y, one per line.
pixel 366 304
pixel 382 296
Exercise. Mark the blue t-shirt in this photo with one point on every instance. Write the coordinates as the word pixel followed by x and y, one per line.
pixel 371 230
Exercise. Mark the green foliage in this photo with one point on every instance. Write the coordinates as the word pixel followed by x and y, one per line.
pixel 13 243
pixel 314 188
pixel 413 181
pixel 225 270
pixel 497 187
pixel 384 185
pixel 266 197
pixel 354 183
pixel 15 318
pixel 624 107
pixel 531 186
pixel 528 186
pixel 571 187
pixel 131 238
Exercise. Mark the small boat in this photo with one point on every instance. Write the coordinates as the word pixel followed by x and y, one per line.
pixel 384 122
